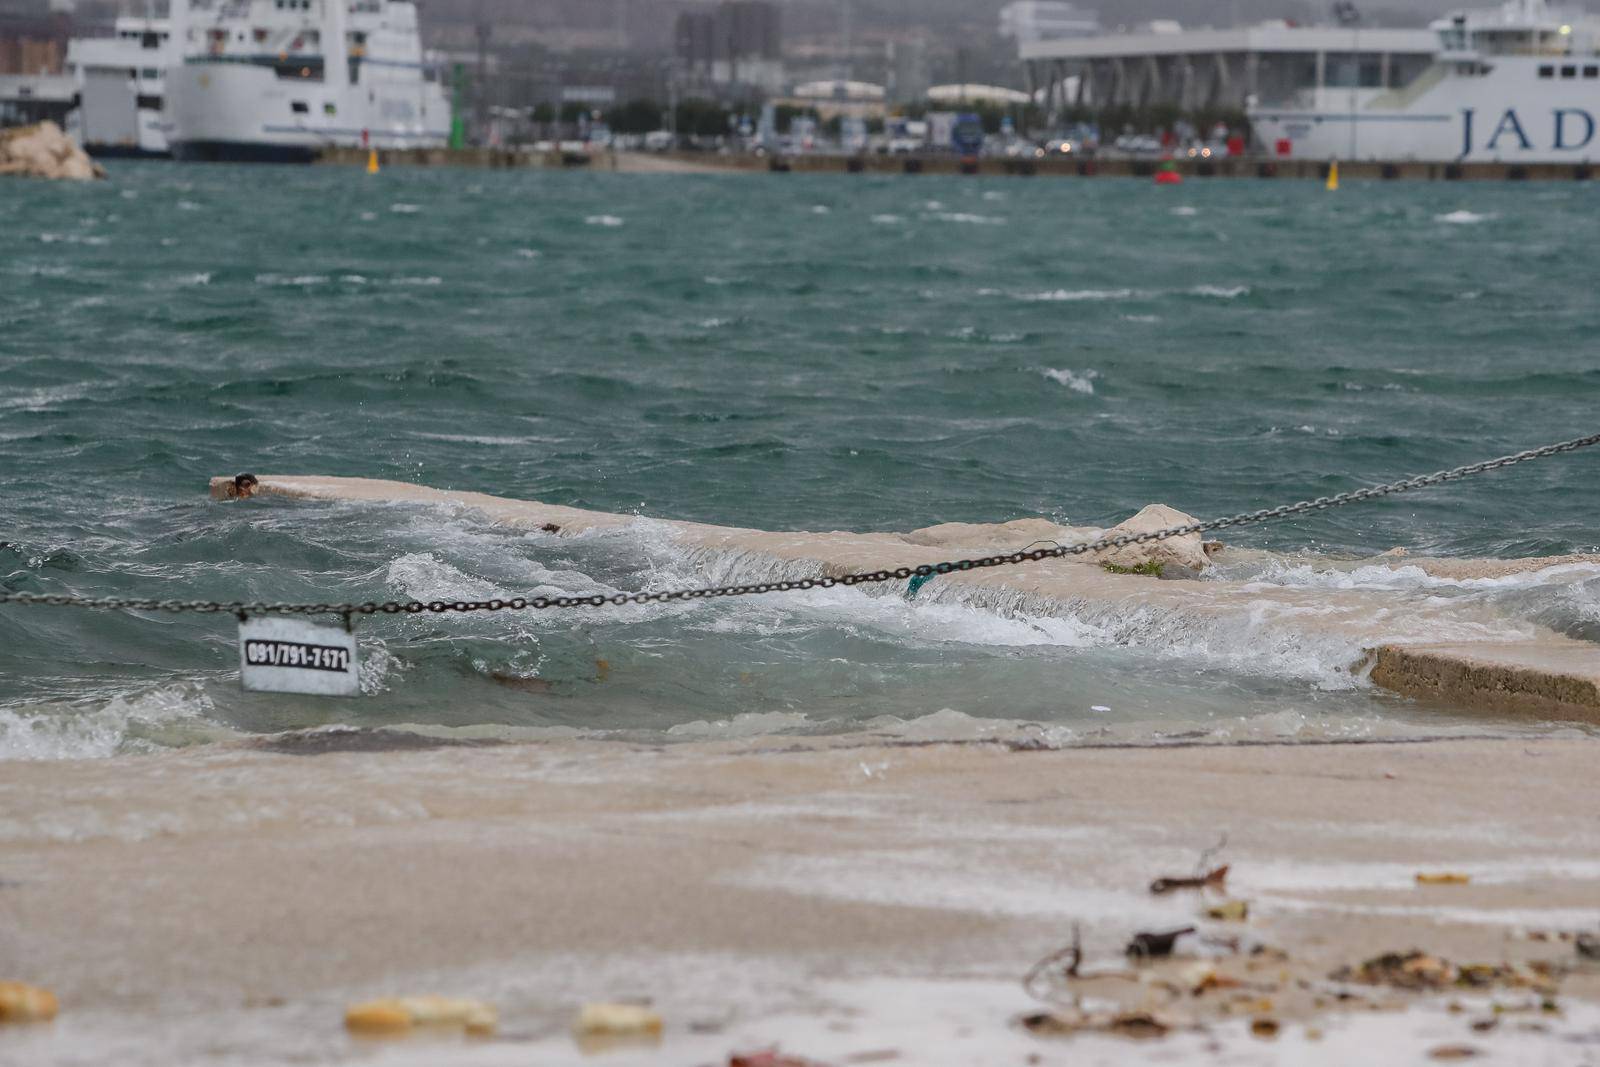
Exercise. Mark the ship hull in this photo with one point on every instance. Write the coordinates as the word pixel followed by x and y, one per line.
pixel 1512 115
pixel 236 112
pixel 242 152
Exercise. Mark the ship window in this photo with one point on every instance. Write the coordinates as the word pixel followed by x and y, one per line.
pixel 148 103
pixel 1547 72
pixel 1569 72
pixel 1591 72
pixel 149 40
pixel 330 109
pixel 150 74
pixel 300 107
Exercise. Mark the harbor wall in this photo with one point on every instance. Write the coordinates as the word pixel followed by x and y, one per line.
pixel 709 162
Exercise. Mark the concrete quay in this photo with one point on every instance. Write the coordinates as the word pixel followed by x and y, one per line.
pixel 1258 167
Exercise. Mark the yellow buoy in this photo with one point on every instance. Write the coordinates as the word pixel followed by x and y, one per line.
pixel 372 161
pixel 1333 176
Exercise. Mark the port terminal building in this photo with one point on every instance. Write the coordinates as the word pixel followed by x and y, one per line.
pixel 1220 70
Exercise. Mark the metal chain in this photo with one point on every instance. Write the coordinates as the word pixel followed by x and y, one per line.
pixel 926 570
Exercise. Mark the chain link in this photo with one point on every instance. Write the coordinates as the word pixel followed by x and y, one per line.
pixel 926 570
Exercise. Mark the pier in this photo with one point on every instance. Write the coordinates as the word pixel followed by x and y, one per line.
pixel 1258 167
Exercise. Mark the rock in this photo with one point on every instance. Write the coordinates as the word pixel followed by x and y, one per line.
pixel 22 1003
pixel 43 151
pixel 1185 552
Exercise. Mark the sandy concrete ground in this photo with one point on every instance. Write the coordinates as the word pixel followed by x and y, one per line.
pixel 848 898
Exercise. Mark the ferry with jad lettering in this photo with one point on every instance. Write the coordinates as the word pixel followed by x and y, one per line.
pixel 1515 84
pixel 281 80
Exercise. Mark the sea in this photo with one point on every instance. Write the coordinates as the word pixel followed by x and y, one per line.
pixel 809 352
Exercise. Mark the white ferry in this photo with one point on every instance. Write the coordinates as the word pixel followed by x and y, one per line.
pixel 278 80
pixel 1517 84
pixel 120 84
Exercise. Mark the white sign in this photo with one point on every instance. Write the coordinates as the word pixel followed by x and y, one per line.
pixel 280 654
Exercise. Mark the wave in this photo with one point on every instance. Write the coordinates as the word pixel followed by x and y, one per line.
pixel 140 721
pixel 1077 382
pixel 1464 218
pixel 1219 292
pixel 602 220
pixel 968 218
pixel 1074 295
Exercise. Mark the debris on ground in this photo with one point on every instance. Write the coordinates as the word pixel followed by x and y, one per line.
pixel 1150 946
pixel 1231 911
pixel 23 1003
pixel 770 1057
pixel 1214 879
pixel 1418 970
pixel 1206 876
pixel 1264 1026
pixel 1452 1052
pixel 1135 1024
pixel 1202 978
pixel 399 1015
pixel 1062 963
pixel 1588 946
pixel 617 1020
pixel 1443 878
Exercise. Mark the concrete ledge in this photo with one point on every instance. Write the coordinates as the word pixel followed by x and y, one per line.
pixel 1551 682
pixel 1541 673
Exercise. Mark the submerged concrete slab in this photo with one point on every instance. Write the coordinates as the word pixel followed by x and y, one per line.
pixel 1459 652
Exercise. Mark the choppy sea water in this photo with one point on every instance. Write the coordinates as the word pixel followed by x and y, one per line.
pixel 779 352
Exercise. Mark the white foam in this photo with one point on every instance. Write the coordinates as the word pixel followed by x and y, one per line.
pixel 968 218
pixel 888 220
pixel 295 279
pixel 1464 218
pixel 405 209
pixel 1186 212
pixel 750 724
pixel 602 220
pixel 90 731
pixel 1075 295
pixel 1077 382
pixel 1405 577
pixel 73 239
pixel 1221 292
